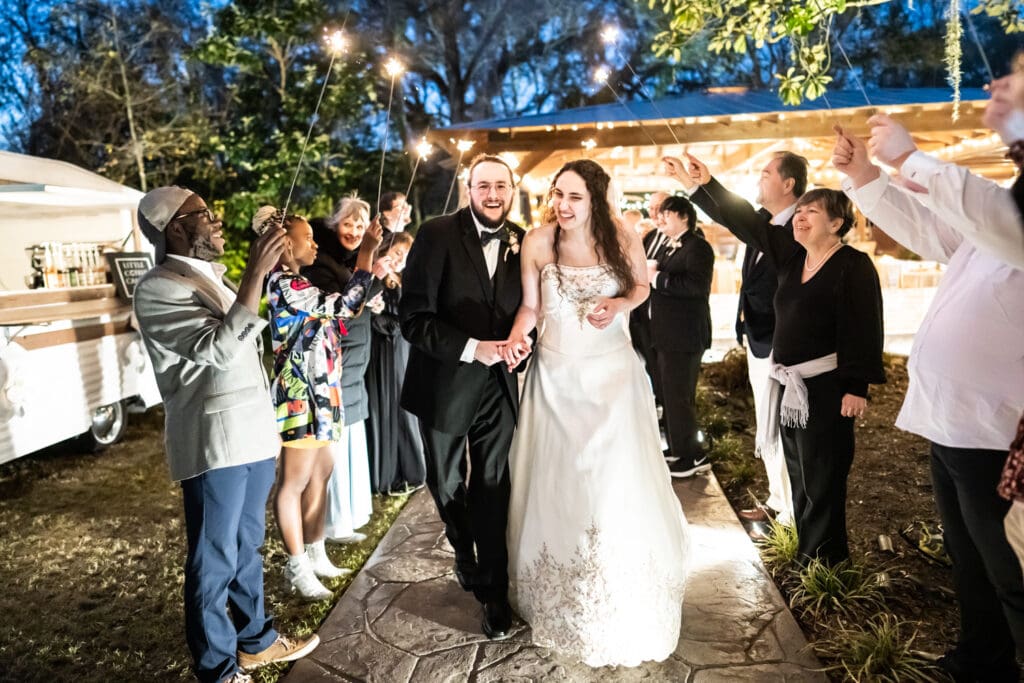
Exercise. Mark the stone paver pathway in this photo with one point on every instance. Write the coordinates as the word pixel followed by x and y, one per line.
pixel 405 619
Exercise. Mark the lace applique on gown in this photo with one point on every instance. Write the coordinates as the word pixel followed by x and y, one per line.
pixel 597 539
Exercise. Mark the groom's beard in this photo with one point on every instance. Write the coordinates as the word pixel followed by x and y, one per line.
pixel 487 222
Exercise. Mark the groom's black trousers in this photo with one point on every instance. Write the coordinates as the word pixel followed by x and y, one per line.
pixel 477 514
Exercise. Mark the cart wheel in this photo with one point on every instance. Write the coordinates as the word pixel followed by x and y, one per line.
pixel 108 426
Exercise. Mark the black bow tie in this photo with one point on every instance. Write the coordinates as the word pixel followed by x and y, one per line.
pixel 487 236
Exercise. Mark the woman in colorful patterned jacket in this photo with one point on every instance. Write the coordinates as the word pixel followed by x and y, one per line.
pixel 305 326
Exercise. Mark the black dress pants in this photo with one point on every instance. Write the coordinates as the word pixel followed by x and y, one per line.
pixel 476 515
pixel 678 372
pixel 986 572
pixel 818 459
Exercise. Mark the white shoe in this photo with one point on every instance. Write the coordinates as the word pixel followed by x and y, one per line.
pixel 322 565
pixel 299 578
pixel 354 537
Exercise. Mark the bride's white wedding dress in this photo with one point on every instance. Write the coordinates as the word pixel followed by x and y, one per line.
pixel 597 539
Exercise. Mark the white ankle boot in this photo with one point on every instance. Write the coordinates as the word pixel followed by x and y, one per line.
pixel 322 565
pixel 300 578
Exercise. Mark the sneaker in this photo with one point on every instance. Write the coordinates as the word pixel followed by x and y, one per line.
pixel 300 578
pixel 684 470
pixel 238 677
pixel 283 649
pixel 322 565
pixel 354 537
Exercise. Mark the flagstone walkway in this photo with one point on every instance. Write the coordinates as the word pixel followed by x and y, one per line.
pixel 405 619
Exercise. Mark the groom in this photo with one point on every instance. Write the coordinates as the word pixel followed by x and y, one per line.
pixel 460 293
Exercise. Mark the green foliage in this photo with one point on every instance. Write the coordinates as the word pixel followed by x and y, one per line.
pixel 743 26
pixel 274 65
pixel 844 589
pixel 881 650
pixel 779 547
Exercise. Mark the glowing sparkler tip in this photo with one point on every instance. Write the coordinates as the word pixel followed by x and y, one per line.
pixel 610 35
pixel 602 74
pixel 393 67
pixel 424 149
pixel 589 143
pixel 336 42
pixel 464 146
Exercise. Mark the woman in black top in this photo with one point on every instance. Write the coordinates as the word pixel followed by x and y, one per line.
pixel 397 461
pixel 829 301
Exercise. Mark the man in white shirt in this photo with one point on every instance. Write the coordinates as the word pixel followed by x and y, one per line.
pixel 220 432
pixel 966 374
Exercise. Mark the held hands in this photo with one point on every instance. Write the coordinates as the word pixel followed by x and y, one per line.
pixel 853 406
pixel 516 350
pixel 890 142
pixel 510 351
pixel 850 157
pixel 605 311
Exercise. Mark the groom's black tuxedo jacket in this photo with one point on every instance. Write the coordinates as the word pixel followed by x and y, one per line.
pixel 447 297
pixel 680 314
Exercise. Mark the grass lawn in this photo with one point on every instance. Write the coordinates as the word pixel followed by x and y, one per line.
pixel 91 563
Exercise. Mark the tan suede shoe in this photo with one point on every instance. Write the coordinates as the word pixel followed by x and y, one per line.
pixel 283 649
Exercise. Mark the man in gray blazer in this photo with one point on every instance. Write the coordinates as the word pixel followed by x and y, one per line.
pixel 220 430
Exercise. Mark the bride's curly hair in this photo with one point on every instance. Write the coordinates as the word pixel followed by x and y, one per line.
pixel 605 227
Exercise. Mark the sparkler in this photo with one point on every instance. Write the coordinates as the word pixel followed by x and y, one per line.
pixel 601 76
pixel 336 44
pixel 463 146
pixel 610 37
pixel 393 68
pixel 423 150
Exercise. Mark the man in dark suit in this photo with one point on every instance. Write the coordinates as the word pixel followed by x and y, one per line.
pixel 680 277
pixel 461 291
pixel 783 180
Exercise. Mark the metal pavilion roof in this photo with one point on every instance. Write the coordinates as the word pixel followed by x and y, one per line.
pixel 722 103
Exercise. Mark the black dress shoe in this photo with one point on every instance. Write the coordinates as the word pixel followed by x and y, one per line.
pixel 465 573
pixel 497 620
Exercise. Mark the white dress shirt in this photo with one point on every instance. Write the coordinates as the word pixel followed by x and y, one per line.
pixel 979 209
pixel 967 363
pixel 491 250
pixel 212 271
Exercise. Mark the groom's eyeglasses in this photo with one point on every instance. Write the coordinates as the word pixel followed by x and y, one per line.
pixel 485 188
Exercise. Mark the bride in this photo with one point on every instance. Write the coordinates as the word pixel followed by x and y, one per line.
pixel 596 536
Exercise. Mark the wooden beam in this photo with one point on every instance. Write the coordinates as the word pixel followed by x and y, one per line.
pixel 724 129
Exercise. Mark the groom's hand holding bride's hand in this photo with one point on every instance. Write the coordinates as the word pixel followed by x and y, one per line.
pixel 489 352
pixel 516 350
pixel 605 311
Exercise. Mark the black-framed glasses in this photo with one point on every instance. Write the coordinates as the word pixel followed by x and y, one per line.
pixel 198 212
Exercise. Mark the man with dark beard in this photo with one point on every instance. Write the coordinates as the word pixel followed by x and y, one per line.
pixel 461 291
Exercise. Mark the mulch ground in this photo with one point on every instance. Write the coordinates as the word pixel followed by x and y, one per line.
pixel 889 489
